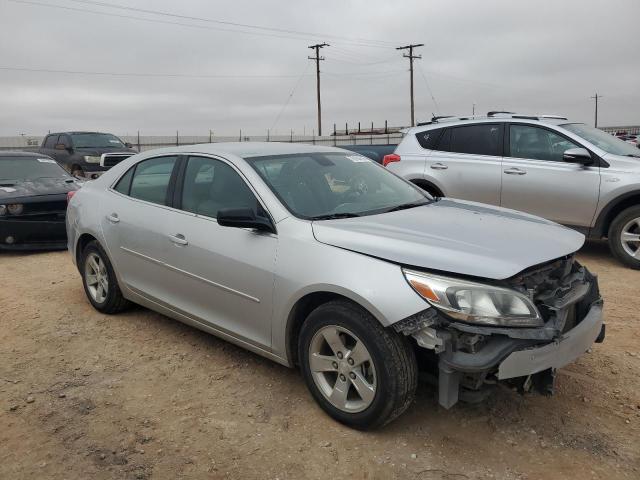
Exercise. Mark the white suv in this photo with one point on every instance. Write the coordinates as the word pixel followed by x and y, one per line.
pixel 568 172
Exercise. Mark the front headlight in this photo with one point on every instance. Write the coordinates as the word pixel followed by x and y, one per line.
pixel 475 302
pixel 15 209
pixel 92 159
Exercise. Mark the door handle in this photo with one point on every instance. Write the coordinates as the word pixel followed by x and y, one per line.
pixel 178 239
pixel 515 171
pixel 113 218
pixel 439 166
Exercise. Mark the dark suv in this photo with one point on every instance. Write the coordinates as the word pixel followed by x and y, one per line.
pixel 86 154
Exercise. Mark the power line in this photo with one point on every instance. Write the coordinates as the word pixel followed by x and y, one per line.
pixel 318 59
pixel 235 24
pixel 411 57
pixel 139 74
pixel 429 89
pixel 293 91
pixel 189 25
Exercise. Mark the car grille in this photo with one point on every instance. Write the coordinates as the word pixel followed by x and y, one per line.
pixel 112 159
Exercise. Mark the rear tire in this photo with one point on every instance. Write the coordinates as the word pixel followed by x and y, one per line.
pixel 624 237
pixel 384 369
pixel 99 280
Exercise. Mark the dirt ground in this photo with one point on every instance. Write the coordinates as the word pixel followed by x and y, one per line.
pixel 140 396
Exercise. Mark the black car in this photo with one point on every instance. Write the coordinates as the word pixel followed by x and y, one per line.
pixel 33 202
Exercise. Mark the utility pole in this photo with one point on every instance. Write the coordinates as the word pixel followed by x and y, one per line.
pixel 318 58
pixel 596 96
pixel 473 110
pixel 411 56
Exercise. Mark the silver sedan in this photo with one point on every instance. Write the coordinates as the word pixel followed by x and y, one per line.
pixel 320 258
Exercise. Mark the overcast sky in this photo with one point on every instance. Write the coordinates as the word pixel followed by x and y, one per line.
pixel 526 56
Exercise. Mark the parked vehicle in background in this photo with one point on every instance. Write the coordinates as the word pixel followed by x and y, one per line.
pixel 374 152
pixel 319 257
pixel 567 172
pixel 33 202
pixel 85 154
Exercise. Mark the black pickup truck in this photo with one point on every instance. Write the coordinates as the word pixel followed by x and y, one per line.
pixel 85 154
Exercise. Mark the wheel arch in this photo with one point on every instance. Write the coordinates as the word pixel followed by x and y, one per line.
pixel 428 186
pixel 611 211
pixel 81 243
pixel 301 310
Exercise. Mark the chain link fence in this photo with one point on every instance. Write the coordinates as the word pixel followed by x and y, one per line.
pixel 148 142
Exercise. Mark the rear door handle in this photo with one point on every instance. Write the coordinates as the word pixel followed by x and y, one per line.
pixel 178 239
pixel 515 171
pixel 439 166
pixel 113 218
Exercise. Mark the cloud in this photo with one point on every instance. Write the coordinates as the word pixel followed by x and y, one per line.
pixel 533 57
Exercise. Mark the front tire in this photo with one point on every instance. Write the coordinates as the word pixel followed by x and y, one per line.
pixel 624 237
pixel 99 280
pixel 360 373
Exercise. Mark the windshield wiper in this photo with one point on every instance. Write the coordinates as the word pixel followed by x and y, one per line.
pixel 405 206
pixel 635 155
pixel 333 216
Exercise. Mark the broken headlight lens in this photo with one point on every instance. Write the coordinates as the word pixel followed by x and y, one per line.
pixel 475 302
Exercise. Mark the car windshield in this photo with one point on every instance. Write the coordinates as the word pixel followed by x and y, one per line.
pixel 329 185
pixel 603 140
pixel 29 168
pixel 95 140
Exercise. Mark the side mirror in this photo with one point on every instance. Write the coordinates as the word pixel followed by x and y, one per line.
pixel 243 218
pixel 577 155
pixel 128 145
pixel 60 146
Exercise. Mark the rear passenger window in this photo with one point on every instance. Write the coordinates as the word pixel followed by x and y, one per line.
pixel 51 141
pixel 483 139
pixel 429 138
pixel 125 182
pixel 151 179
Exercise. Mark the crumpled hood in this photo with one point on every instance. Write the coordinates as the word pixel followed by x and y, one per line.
pixel 17 189
pixel 454 236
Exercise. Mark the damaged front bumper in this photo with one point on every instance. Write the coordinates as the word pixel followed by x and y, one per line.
pixel 471 358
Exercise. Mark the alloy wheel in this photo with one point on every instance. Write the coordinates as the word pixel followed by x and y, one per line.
pixel 342 369
pixel 630 238
pixel 97 278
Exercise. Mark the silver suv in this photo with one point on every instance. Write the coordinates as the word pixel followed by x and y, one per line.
pixel 568 172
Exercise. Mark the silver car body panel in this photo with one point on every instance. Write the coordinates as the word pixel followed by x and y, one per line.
pixel 244 286
pixel 559 353
pixel 563 192
pixel 454 236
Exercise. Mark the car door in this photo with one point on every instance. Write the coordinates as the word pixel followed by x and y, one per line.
pixel 226 273
pixel 49 145
pixel 467 162
pixel 62 155
pixel 536 179
pixel 136 222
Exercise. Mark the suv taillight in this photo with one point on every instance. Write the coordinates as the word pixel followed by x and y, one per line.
pixel 392 157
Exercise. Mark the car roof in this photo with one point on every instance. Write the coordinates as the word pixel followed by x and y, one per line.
pixel 250 149
pixel 77 133
pixel 555 121
pixel 19 153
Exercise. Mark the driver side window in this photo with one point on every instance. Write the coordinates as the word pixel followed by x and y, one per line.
pixel 527 141
pixel 211 185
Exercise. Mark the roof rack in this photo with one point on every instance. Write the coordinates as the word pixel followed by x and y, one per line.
pixel 491 114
